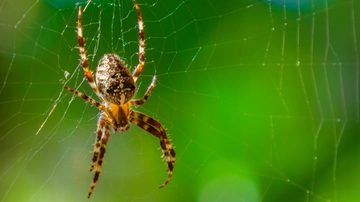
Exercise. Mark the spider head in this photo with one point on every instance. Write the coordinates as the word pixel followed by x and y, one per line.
pixel 120 116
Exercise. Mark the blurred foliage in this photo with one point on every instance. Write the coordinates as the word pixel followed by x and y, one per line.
pixel 260 98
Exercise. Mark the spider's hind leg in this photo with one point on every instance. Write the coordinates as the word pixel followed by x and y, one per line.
pixel 88 74
pixel 141 64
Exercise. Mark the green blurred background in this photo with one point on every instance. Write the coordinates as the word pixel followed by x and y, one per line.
pixel 260 98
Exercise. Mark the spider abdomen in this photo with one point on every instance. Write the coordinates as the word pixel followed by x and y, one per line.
pixel 114 80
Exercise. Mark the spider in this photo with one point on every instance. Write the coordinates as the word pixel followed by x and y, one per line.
pixel 115 86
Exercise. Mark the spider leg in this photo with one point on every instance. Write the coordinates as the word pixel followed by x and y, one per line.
pixel 100 147
pixel 87 98
pixel 99 132
pixel 84 62
pixel 147 94
pixel 141 64
pixel 155 128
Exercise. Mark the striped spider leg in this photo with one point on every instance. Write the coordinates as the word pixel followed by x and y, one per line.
pixel 115 86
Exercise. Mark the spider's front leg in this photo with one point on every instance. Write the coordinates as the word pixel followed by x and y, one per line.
pixel 102 137
pixel 155 128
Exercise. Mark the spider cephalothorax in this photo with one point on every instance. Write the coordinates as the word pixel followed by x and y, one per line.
pixel 115 86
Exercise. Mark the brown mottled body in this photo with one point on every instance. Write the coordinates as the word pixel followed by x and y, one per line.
pixel 114 80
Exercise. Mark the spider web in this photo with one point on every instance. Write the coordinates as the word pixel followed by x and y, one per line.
pixel 260 98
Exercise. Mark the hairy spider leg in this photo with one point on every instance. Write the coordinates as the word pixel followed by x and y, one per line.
pixel 103 132
pixel 147 94
pixel 86 98
pixel 99 131
pixel 155 128
pixel 141 53
pixel 88 74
